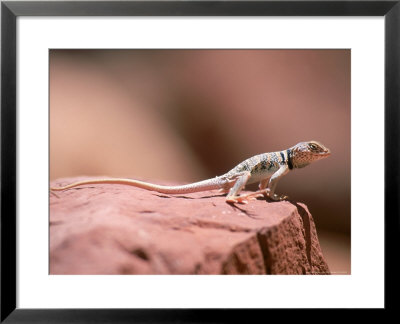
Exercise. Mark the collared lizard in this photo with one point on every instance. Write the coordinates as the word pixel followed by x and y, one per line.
pixel 267 168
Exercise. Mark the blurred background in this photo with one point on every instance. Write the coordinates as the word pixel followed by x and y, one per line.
pixel 188 115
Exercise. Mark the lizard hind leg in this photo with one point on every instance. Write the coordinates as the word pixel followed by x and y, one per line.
pixel 223 190
pixel 262 192
pixel 241 181
pixel 263 184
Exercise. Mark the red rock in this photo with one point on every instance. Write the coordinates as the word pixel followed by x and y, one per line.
pixel 116 229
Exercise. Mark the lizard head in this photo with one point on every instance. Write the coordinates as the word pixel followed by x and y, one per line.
pixel 305 153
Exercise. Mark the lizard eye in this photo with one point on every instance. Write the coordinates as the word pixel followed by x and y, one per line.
pixel 313 146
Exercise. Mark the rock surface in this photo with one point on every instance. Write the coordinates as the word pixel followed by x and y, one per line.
pixel 116 229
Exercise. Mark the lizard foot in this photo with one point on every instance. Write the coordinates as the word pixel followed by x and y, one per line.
pixel 244 199
pixel 275 197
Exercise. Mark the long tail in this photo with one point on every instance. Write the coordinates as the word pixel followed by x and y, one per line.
pixel 210 184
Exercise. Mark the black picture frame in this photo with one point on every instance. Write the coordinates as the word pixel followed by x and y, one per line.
pixel 10 10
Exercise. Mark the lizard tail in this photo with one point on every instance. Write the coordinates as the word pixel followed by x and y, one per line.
pixel 209 184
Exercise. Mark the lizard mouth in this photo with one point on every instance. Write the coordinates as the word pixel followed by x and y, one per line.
pixel 326 153
pixel 322 154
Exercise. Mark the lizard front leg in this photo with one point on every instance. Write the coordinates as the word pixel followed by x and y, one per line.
pixel 270 191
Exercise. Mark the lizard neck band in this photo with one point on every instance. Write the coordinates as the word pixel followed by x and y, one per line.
pixel 289 160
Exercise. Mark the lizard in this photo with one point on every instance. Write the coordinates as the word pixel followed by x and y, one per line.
pixel 267 168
